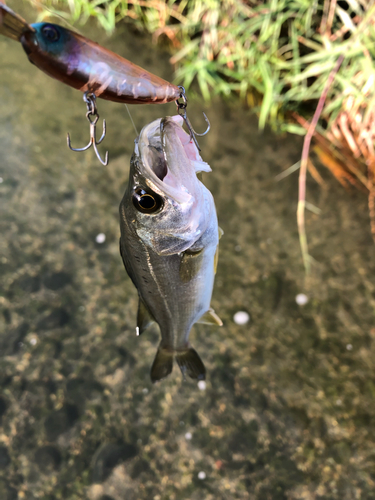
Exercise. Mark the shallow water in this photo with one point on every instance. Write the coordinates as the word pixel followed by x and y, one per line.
pixel 288 410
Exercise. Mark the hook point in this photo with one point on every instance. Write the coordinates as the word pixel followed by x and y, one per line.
pixel 89 99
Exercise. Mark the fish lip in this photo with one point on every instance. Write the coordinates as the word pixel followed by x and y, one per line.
pixel 163 122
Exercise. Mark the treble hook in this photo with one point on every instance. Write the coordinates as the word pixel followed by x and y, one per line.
pixel 90 100
pixel 181 110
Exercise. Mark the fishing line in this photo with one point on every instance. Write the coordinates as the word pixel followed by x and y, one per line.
pixel 53 14
pixel 131 118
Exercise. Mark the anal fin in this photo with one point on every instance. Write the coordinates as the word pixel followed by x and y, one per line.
pixel 191 364
pixel 210 318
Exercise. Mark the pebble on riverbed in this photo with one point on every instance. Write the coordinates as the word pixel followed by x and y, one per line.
pixel 100 238
pixel 302 299
pixel 241 318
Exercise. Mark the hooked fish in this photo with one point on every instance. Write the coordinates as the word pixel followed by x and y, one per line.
pixel 85 65
pixel 169 242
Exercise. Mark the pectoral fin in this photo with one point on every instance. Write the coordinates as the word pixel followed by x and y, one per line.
pixel 144 317
pixel 216 259
pixel 191 263
pixel 210 318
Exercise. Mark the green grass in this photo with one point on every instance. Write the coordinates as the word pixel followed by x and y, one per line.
pixel 276 54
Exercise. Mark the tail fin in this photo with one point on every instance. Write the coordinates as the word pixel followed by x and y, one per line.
pixel 188 360
pixel 191 364
pixel 162 365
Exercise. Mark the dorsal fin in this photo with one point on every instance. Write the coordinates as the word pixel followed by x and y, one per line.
pixel 210 318
pixel 144 317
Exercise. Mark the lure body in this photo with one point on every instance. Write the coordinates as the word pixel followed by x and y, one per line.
pixel 85 65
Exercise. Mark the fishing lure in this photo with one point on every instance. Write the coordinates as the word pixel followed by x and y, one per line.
pixel 85 65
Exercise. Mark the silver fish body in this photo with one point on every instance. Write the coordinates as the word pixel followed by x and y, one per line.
pixel 169 242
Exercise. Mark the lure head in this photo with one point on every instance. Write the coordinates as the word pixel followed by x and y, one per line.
pixel 46 38
pixel 56 51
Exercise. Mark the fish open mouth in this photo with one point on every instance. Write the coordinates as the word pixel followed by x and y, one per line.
pixel 166 161
pixel 170 158
pixel 156 157
pixel 170 129
pixel 175 123
pixel 155 153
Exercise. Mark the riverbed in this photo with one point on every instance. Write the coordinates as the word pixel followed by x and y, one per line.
pixel 288 409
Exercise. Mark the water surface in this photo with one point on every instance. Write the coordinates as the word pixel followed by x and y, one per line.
pixel 288 410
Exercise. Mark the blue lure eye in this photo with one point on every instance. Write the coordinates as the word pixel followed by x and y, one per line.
pixel 50 32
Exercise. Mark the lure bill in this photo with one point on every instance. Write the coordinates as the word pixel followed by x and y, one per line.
pixel 11 24
pixel 85 65
pixel 169 242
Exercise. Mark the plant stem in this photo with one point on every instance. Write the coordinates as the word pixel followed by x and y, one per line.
pixel 303 168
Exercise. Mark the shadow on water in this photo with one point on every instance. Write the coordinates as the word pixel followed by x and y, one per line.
pixel 288 411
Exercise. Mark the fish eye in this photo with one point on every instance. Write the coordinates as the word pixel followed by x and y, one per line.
pixel 146 201
pixel 50 32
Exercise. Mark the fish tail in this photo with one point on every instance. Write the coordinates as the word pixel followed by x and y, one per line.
pixel 191 364
pixel 188 360
pixel 162 365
